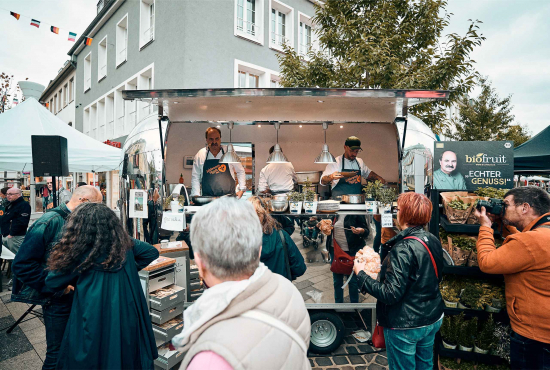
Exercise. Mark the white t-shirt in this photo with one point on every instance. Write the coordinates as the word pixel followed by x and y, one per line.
pixel 277 177
pixel 198 163
pixel 349 165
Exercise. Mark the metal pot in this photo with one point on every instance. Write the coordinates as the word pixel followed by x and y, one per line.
pixel 353 198
pixel 279 205
pixel 312 176
pixel 280 197
pixel 200 200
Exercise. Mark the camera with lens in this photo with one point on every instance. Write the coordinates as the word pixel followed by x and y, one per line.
pixel 493 206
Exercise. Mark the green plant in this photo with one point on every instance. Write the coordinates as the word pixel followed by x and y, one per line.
pixel 449 363
pixel 486 338
pixel 471 296
pixel 449 332
pixel 459 204
pixel 449 294
pixel 295 196
pixel 372 188
pixel 386 195
pixel 463 242
pixel 467 333
pixel 491 192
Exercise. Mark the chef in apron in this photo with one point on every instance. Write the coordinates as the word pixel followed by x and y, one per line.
pixel 212 178
pixel 277 178
pixel 350 164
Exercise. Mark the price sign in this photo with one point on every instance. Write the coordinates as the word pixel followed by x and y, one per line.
pixel 387 220
pixel 173 221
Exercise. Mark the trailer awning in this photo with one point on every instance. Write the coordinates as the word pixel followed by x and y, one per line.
pixel 300 105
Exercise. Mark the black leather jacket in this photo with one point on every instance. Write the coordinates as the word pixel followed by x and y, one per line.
pixel 408 291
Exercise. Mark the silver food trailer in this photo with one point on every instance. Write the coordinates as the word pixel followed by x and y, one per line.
pixel 160 150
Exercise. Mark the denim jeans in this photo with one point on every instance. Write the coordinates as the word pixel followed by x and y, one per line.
pixel 411 349
pixel 55 321
pixel 338 280
pixel 527 353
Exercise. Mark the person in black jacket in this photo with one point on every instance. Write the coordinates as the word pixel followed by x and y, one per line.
pixel 15 221
pixel 409 307
pixel 280 256
pixel 349 233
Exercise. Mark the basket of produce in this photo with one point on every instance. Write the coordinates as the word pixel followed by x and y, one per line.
pixel 461 247
pixel 457 207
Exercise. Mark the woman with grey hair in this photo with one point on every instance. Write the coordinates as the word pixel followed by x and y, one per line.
pixel 249 318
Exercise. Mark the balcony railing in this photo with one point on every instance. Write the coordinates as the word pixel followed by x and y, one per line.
pixel 251 28
pixel 148 34
pixel 278 39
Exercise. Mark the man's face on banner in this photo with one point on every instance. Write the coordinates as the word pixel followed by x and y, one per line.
pixel 448 162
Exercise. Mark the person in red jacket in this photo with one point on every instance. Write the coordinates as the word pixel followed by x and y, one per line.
pixel 524 260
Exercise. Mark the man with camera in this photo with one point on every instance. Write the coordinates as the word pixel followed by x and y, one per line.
pixel 524 260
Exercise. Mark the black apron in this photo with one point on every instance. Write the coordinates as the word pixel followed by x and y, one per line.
pixel 348 185
pixel 216 178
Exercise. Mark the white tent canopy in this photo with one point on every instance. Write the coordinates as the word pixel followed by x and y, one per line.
pixel 31 118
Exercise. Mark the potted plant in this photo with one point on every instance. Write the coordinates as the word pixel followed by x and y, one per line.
pixel 486 337
pixel 386 197
pixel 371 190
pixel 470 298
pixel 449 333
pixel 466 336
pixel 450 297
pixel 496 299
pixel 295 202
pixel 310 206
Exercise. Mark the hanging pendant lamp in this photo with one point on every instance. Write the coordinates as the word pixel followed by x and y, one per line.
pixel 230 156
pixel 325 156
pixel 277 156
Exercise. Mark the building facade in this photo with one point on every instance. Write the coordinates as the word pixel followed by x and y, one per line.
pixel 59 95
pixel 185 44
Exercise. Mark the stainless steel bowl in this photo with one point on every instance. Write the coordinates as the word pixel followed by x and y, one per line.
pixel 280 197
pixel 353 198
pixel 279 205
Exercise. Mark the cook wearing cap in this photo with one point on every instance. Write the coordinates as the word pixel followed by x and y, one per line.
pixel 354 168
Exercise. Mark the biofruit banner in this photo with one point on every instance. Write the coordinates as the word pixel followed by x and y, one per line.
pixel 468 165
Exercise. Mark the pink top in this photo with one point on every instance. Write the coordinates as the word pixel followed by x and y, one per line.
pixel 208 360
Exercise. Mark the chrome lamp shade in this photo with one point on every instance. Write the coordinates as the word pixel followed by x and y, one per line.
pixel 230 156
pixel 325 156
pixel 277 156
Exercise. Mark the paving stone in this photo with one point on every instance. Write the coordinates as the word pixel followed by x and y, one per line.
pixel 6 298
pixel 374 366
pixel 360 368
pixel 36 335
pixel 364 348
pixel 340 360
pixel 26 361
pixel 347 368
pixel 323 361
pixel 40 348
pixel 381 360
pixel 356 360
pixel 303 284
pixel 31 324
pixel 352 350
pixel 340 351
pixel 350 340
pixel 3 310
pixel 370 357
pixel 17 308
pixel 331 368
pixel 13 344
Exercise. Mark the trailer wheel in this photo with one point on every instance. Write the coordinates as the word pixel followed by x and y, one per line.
pixel 327 332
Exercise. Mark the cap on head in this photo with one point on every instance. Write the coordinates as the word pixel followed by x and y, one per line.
pixel 353 142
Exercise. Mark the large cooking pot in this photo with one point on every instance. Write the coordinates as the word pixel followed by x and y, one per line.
pixel 312 176
pixel 278 205
pixel 353 198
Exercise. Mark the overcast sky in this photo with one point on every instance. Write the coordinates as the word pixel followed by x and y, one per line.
pixel 515 56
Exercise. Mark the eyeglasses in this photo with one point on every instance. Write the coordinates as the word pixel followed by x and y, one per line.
pixel 49 183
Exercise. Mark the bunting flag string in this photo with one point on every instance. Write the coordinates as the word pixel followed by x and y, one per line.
pixel 54 29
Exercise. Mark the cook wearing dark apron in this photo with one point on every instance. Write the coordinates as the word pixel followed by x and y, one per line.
pixel 348 185
pixel 216 178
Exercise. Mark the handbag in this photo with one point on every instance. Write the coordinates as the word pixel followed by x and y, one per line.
pixel 378 339
pixel 342 263
pixel 285 249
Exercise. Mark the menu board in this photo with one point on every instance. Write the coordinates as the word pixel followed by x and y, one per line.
pixel 468 165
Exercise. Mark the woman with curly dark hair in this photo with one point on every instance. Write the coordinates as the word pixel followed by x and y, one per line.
pixel 109 326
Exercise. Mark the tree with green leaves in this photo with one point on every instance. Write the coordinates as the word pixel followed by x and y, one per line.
pixel 487 118
pixel 388 44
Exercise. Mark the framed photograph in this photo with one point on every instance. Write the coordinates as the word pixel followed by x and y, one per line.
pixel 138 203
